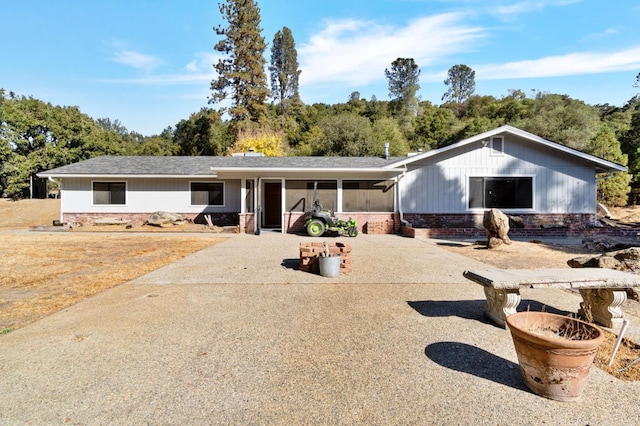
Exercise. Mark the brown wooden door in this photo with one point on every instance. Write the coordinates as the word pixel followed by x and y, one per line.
pixel 272 204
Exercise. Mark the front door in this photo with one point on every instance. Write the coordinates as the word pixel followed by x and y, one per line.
pixel 272 205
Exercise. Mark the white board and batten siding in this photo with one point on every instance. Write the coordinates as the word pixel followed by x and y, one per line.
pixel 147 195
pixel 439 184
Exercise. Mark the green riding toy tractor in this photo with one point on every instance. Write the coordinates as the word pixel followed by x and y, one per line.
pixel 320 221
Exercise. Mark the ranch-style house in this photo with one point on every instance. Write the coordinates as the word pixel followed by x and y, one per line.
pixel 444 191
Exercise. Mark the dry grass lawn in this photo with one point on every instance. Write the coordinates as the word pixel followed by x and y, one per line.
pixel 41 273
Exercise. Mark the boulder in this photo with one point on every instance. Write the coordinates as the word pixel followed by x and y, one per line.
pixel 516 222
pixel 622 260
pixel 603 261
pixel 605 243
pixel 165 219
pixel 496 225
pixel 630 258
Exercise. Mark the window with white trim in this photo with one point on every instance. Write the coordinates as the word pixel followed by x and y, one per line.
pixel 502 192
pixel 207 193
pixel 497 145
pixel 109 193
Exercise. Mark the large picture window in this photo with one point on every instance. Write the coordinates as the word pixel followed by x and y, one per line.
pixel 207 194
pixel 366 196
pixel 109 193
pixel 501 192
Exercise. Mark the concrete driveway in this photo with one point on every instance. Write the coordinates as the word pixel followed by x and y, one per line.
pixel 235 334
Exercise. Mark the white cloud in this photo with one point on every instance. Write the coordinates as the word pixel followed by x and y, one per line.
pixel 193 66
pixel 564 65
pixel 164 79
pixel 203 61
pixel 527 6
pixel 199 70
pixel 136 60
pixel 357 52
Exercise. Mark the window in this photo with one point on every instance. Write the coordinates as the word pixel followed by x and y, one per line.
pixel 366 196
pixel 501 192
pixel 109 193
pixel 207 194
pixel 300 193
pixel 497 146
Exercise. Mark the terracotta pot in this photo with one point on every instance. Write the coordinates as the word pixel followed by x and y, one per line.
pixel 552 366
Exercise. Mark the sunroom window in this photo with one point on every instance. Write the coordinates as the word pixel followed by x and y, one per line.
pixel 366 196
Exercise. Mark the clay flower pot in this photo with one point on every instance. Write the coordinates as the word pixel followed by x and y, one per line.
pixel 553 366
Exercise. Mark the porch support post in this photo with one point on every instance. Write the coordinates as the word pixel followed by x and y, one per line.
pixel 338 208
pixel 283 203
pixel 258 210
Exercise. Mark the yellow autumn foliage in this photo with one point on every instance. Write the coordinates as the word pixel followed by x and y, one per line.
pixel 267 142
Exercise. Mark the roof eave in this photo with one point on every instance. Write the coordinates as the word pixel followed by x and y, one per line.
pixel 304 169
pixel 601 166
pixel 121 176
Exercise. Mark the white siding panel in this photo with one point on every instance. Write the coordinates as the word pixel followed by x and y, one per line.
pixel 145 196
pixel 439 184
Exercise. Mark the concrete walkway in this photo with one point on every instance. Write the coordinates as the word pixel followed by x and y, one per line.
pixel 235 334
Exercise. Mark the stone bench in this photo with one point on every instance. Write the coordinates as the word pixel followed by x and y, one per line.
pixel 603 290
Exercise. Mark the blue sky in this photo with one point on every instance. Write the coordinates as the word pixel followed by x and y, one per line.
pixel 149 63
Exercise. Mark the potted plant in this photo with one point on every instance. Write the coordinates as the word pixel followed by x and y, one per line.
pixel 555 352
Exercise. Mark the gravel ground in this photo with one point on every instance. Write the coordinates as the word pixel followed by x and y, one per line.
pixel 235 334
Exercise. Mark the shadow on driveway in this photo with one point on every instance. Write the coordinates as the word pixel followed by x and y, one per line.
pixel 477 362
pixel 473 309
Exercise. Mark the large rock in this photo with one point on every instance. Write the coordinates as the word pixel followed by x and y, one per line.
pixel 165 219
pixel 622 260
pixel 516 222
pixel 605 243
pixel 496 225
pixel 603 261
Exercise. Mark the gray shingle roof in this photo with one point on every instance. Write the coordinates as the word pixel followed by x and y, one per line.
pixel 176 166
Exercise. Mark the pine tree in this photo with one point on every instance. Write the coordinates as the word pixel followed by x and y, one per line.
pixel 403 79
pixel 462 84
pixel 284 69
pixel 241 74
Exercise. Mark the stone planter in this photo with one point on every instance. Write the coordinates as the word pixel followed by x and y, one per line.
pixel 553 366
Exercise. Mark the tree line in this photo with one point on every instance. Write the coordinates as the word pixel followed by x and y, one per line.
pixel 264 111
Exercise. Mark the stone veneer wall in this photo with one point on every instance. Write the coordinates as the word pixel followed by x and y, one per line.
pixel 219 219
pixel 474 220
pixel 368 223
pixel 470 226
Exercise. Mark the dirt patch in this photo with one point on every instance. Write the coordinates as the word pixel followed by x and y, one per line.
pixel 626 364
pixel 520 254
pixel 41 273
